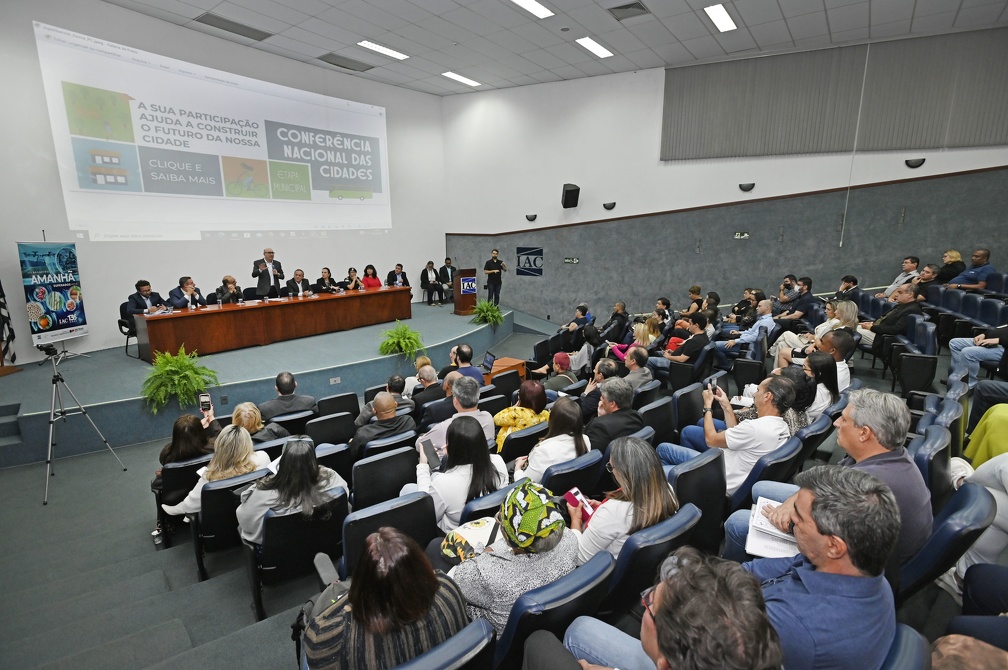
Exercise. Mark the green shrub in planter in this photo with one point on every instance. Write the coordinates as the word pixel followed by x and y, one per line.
pixel 402 339
pixel 177 376
pixel 488 313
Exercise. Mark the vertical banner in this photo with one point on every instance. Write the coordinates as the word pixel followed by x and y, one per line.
pixel 52 289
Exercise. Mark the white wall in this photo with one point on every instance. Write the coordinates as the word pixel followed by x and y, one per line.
pixel 32 201
pixel 508 153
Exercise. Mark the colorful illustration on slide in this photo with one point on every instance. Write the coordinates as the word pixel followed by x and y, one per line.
pixel 106 166
pixel 290 181
pixel 95 112
pixel 245 177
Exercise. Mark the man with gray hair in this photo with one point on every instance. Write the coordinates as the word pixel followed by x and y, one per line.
pixel 465 398
pixel 428 390
pixel 872 430
pixel 831 605
pixel 436 412
pixel 616 418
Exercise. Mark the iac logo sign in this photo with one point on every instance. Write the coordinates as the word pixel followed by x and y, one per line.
pixel 530 262
pixel 468 285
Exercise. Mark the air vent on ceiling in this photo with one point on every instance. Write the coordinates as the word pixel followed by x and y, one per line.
pixel 345 63
pixel 233 26
pixel 628 11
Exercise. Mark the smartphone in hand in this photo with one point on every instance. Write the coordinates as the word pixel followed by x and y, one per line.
pixel 574 497
pixel 433 460
pixel 204 402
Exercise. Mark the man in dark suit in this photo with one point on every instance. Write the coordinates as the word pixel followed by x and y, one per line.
pixel 186 295
pixel 286 401
pixel 395 386
pixel 429 282
pixel 589 400
pixel 269 273
pixel 299 285
pixel 436 412
pixel 387 424
pixel 446 276
pixel 428 391
pixel 616 418
pixel 892 322
pixel 396 277
pixel 145 300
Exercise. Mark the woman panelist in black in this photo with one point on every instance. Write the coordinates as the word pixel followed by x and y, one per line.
pixel 353 282
pixel 326 284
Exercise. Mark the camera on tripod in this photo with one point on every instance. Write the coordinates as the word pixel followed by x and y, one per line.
pixel 47 349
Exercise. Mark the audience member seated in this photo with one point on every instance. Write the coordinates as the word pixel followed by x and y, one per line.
pixel 975 276
pixel 233 456
pixel 581 358
pixel 387 425
pixel 580 319
pixel 894 321
pixel 229 291
pixel 909 273
pixel 465 398
pixel 355 283
pixel 703 613
pixel 712 302
pixel 749 316
pixel 564 441
pixel 687 352
pixel 838 343
pixel 605 369
pixel 529 410
pixel 788 318
pixel 953 266
pixel 370 278
pixel 145 301
pixel 696 301
pixel 394 386
pixel 726 349
pixel 743 442
pixel 985 611
pixel 396 608
pixel 928 277
pixel 788 292
pixel 287 401
pixel 247 416
pixel 831 605
pixel 848 284
pixel 791 348
pixel 643 499
pixel 741 307
pixel 436 412
pixel 413 381
pixel 300 485
pixel 562 377
pixel 970 352
pixel 796 417
pixel 428 390
pixel 871 430
pixel 636 362
pixel 617 322
pixel 430 283
pixel 993 475
pixel 987 440
pixel 986 394
pixel 397 277
pixel 644 335
pixel 452 363
pixel 467 471
pixel 326 283
pixel 616 417
pixel 464 356
pixel 534 550
pixel 192 437
pixel 822 368
pixel 186 294
pixel 299 287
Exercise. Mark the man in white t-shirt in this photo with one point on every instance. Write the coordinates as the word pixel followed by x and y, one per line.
pixel 743 442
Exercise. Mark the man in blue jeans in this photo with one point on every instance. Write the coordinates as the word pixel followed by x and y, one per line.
pixel 725 349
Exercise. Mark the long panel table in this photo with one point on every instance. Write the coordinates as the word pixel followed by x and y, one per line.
pixel 216 328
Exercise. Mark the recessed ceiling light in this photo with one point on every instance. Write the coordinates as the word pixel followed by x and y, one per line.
pixel 385 51
pixel 533 8
pixel 460 78
pixel 593 46
pixel 720 18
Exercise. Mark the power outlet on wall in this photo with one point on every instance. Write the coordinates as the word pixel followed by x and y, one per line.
pixel 333 381
pixel 223 400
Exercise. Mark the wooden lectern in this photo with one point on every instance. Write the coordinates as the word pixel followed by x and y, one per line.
pixel 465 302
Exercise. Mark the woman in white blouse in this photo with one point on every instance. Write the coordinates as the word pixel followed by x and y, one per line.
pixel 564 441
pixel 643 499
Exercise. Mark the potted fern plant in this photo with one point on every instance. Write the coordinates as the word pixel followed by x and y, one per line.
pixel 179 376
pixel 488 313
pixel 401 339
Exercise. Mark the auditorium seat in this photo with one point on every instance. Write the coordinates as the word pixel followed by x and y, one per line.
pixel 126 325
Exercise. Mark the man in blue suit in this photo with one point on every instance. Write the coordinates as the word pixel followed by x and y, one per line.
pixel 145 301
pixel 186 295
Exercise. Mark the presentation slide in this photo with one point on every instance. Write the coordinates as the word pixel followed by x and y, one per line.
pixel 152 148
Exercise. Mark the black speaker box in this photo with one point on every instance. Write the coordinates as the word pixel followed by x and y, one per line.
pixel 570 195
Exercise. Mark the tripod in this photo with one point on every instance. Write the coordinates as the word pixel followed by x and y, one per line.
pixel 57 381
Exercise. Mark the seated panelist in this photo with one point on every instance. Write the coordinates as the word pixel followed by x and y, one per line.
pixel 370 278
pixel 299 286
pixel 397 277
pixel 229 291
pixel 352 281
pixel 145 300
pixel 326 284
pixel 186 294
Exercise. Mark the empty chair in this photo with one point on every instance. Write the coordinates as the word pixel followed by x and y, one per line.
pixel 341 402
pixel 577 388
pixel 968 514
pixel 659 416
pixel 553 607
pixel 336 428
pixel 684 374
pixel 645 394
pixel 413 514
pixel 380 478
pixel 932 452
pixel 646 433
pixel 555 345
pixel 487 391
pixel 701 481
pixel 336 457
pixel 472 648
pixel 127 326
pixel 581 472
pixel 249 293
pixel 506 382
pixel 488 505
pixel 950 415
pixel 909 651
pixel 751 368
pixel 294 422
pixel 772 467
pixel 914 364
pixel 687 408
pixel 520 442
pixel 493 404
pixel 215 526
pixel 372 391
pixel 290 542
pixel 640 558
pixel 540 356
pixel 389 444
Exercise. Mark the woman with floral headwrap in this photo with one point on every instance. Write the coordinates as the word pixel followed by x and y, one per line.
pixel 534 550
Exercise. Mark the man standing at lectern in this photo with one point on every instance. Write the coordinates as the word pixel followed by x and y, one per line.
pixel 269 273
pixel 493 269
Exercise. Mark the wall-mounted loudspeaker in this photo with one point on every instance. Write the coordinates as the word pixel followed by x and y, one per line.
pixel 570 195
pixel 745 188
pixel 914 163
pixel 530 217
pixel 609 205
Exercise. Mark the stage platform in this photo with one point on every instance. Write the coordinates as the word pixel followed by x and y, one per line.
pixel 108 383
